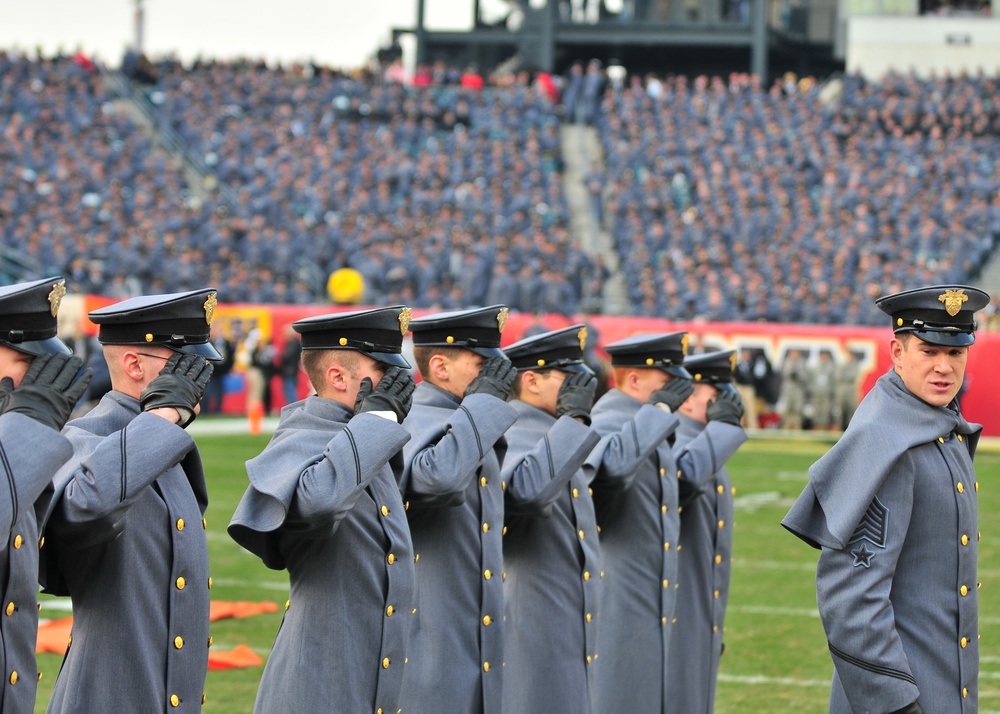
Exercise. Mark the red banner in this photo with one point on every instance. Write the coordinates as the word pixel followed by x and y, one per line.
pixel 774 340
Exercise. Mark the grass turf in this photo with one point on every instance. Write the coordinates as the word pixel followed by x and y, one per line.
pixel 776 658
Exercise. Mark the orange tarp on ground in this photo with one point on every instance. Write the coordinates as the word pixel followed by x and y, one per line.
pixel 53 636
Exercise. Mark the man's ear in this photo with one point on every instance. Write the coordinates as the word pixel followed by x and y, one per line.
pixel 529 381
pixel 336 378
pixel 131 365
pixel 440 367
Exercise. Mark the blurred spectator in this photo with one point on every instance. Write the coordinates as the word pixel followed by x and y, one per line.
pixel 848 388
pixel 822 388
pixel 794 382
pixel 290 363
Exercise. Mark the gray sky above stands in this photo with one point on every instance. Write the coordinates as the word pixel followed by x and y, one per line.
pixel 340 33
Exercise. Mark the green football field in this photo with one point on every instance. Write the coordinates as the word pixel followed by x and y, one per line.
pixel 776 658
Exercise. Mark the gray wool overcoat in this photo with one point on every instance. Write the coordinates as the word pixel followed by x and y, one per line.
pixel 636 500
pixel 552 558
pixel 125 539
pixel 704 565
pixel 30 453
pixel 893 506
pixel 452 482
pixel 323 504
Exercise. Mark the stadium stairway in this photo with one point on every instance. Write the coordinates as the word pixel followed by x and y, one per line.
pixel 581 149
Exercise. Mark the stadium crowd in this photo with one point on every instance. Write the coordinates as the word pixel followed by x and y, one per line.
pixel 726 199
pixel 733 201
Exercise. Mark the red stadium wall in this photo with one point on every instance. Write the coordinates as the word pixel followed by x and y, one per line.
pixel 978 401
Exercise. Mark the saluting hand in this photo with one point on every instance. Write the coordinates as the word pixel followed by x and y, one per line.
pixel 496 377
pixel 49 390
pixel 393 393
pixel 727 408
pixel 179 385
pixel 673 393
pixel 576 396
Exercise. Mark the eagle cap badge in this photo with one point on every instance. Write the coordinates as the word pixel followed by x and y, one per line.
pixel 56 296
pixel 953 300
pixel 684 343
pixel 209 306
pixel 405 315
pixel 582 336
pixel 502 319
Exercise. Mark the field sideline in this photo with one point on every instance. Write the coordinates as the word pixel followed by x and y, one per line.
pixel 776 658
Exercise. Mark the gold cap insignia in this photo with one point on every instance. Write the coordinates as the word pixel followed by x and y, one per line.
pixel 684 343
pixel 149 337
pixel 541 363
pixel 697 377
pixel 502 319
pixel 953 300
pixel 405 315
pixel 210 304
pixel 342 341
pixel 899 321
pixel 582 335
pixel 732 362
pixel 56 296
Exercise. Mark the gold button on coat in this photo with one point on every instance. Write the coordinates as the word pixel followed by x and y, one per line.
pixel 391 558
pixel 10 608
pixel 482 482
pixel 580 533
pixel 964 643
pixel 718 559
pixel 576 493
pixel 181 582
pixel 589 618
pixel 13 677
pixel 175 701
pixel 389 610
pixel 720 489
pixel 486 528
pixel 385 510
pixel 18 541
pixel 178 642
pixel 722 524
pixel 487 620
pixel 486 666
pixel 960 487
pixel 385 663
pixel 586 575
pixel 964 590
pixel 487 574
pixel 965 539
pixel 180 524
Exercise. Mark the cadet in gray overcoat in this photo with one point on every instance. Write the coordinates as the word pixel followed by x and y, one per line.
pixel 706 553
pixel 324 505
pixel 452 482
pixel 124 534
pixel 636 497
pixel 893 508
pixel 38 389
pixel 551 549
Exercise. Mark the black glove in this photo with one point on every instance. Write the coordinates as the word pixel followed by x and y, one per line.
pixel 727 408
pixel 49 390
pixel 911 709
pixel 393 393
pixel 576 396
pixel 179 384
pixel 673 393
pixel 496 377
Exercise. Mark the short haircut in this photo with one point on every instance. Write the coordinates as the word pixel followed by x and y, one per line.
pixel 422 355
pixel 316 362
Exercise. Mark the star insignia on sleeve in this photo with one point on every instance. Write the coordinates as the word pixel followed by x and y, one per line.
pixel 863 556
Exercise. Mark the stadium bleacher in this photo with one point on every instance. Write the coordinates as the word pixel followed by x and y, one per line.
pixel 725 199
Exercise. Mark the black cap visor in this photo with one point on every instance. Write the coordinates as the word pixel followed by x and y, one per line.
pixel 50 346
pixel 944 338
pixel 205 349
pixel 677 371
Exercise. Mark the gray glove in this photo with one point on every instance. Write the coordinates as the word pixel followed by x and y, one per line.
pixel 49 390
pixel 727 408
pixel 673 393
pixel 496 377
pixel 576 396
pixel 393 393
pixel 179 384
